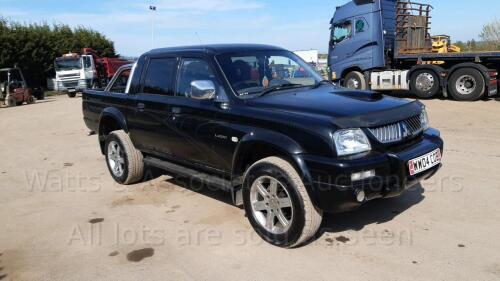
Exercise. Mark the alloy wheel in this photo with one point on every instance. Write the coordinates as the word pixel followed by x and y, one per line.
pixel 116 159
pixel 271 204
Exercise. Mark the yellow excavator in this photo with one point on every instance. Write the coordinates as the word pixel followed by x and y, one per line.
pixel 441 44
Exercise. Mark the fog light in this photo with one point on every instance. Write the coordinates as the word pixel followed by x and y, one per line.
pixel 360 196
pixel 362 175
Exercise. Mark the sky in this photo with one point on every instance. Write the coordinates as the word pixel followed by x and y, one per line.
pixel 294 25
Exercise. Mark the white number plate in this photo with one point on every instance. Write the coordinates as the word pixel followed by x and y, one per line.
pixel 424 162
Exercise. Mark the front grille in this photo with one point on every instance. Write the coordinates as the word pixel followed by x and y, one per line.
pixel 398 131
pixel 70 84
pixel 69 75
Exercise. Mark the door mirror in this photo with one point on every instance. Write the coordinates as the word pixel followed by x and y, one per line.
pixel 202 90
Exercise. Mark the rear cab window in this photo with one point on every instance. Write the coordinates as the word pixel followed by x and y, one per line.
pixel 159 76
pixel 120 84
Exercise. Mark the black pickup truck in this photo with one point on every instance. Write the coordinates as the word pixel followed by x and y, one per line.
pixel 259 122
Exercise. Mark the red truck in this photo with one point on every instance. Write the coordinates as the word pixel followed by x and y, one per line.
pixel 76 73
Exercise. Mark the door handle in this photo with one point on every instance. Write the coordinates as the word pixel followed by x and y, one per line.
pixel 141 106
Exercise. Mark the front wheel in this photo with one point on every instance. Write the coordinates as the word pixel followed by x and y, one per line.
pixel 355 80
pixel 125 162
pixel 424 83
pixel 11 101
pixel 467 84
pixel 277 204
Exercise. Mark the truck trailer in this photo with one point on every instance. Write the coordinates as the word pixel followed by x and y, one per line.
pixel 385 45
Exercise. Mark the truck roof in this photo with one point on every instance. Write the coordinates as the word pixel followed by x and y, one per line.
pixel 215 48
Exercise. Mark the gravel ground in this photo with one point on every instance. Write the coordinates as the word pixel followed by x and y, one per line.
pixel 63 218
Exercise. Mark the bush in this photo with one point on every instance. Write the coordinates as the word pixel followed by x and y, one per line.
pixel 491 35
pixel 34 47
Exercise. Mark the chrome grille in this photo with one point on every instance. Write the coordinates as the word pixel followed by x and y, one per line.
pixel 70 84
pixel 72 75
pixel 398 131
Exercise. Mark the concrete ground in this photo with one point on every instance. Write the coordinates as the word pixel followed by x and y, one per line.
pixel 63 218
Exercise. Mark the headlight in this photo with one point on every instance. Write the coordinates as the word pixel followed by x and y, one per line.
pixel 424 119
pixel 351 141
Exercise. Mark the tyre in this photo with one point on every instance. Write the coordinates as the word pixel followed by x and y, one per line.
pixel 355 80
pixel 125 163
pixel 11 101
pixel 31 100
pixel 277 204
pixel 424 83
pixel 72 95
pixel 40 94
pixel 467 84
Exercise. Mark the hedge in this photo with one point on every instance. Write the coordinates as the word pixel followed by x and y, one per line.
pixel 33 47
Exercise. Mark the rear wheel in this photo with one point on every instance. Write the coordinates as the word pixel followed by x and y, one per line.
pixel 39 94
pixel 467 84
pixel 355 80
pixel 424 83
pixel 11 101
pixel 277 204
pixel 125 162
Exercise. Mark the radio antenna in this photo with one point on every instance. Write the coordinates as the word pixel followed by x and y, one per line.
pixel 198 36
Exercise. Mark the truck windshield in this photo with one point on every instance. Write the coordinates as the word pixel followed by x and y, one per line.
pixel 257 72
pixel 68 64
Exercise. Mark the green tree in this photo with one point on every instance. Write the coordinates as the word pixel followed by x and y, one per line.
pixel 33 47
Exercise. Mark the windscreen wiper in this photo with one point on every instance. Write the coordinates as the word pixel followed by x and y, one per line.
pixel 280 87
pixel 322 82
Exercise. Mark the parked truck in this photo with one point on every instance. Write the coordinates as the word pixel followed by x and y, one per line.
pixel 75 73
pixel 385 45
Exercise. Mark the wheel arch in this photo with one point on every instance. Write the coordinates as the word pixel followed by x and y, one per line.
pixel 438 70
pixel 111 119
pixel 259 145
pixel 350 69
pixel 481 68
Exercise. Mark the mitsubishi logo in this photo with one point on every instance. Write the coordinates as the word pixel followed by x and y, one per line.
pixel 405 131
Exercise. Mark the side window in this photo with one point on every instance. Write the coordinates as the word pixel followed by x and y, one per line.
pixel 120 83
pixel 192 70
pixel 87 62
pixel 342 31
pixel 160 76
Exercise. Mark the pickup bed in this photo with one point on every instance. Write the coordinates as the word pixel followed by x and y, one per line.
pixel 258 121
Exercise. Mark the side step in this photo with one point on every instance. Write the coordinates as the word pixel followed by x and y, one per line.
pixel 190 173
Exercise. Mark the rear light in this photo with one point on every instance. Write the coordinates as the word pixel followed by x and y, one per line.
pixel 493 74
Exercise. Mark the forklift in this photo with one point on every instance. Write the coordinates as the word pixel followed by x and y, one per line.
pixel 14 90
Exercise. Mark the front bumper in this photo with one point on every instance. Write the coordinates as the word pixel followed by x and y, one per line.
pixel 333 191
